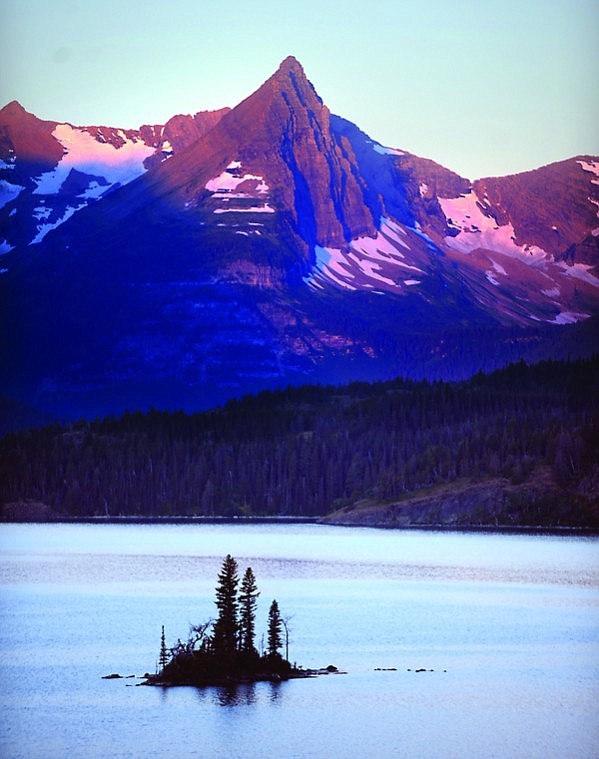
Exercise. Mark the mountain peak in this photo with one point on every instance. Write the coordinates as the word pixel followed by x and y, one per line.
pixel 291 64
pixel 28 137
pixel 14 108
pixel 291 72
pixel 287 112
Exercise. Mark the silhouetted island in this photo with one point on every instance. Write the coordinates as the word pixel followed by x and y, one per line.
pixel 223 651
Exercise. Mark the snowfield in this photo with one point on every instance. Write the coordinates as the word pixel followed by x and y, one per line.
pixel 369 263
pixel 84 153
pixel 480 231
pixel 8 192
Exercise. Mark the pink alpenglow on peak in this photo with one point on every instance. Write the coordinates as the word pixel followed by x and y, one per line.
pixel 592 166
pixel 477 230
pixel 87 155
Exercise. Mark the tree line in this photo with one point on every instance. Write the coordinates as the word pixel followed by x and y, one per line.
pixel 303 451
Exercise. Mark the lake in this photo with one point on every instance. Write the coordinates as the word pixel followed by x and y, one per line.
pixel 506 627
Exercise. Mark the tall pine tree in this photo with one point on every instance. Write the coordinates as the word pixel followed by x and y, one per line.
pixel 247 611
pixel 164 657
pixel 226 627
pixel 274 630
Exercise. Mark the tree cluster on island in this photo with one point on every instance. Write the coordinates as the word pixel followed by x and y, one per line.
pixel 224 650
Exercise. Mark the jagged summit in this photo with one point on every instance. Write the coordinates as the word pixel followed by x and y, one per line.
pixel 281 133
pixel 290 63
pixel 14 107
pixel 288 81
pixel 292 70
pixel 24 136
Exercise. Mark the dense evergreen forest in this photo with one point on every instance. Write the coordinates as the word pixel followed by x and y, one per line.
pixel 310 450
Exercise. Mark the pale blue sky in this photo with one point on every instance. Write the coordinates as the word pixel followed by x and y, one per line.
pixel 483 88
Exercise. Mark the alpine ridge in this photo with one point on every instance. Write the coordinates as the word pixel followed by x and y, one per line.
pixel 178 265
pixel 312 180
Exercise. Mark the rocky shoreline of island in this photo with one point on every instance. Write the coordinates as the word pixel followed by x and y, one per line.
pixel 295 673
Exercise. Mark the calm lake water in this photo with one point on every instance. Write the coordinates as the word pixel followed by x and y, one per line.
pixel 508 624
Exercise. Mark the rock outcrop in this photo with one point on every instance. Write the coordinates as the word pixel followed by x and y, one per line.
pixel 496 503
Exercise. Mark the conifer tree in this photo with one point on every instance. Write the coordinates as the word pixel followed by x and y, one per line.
pixel 247 612
pixel 226 627
pixel 164 654
pixel 274 629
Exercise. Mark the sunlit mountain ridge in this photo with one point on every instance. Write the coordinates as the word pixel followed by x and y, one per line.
pixel 274 243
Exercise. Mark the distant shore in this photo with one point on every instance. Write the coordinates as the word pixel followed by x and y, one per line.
pixel 201 520
pixel 168 520
pixel 126 519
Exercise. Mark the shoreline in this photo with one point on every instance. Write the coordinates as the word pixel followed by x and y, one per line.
pixel 321 521
pixel 166 520
pixel 154 681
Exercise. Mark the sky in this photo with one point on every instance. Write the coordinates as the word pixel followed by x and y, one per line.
pixel 482 88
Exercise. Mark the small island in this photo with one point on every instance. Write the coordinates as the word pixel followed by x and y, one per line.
pixel 223 651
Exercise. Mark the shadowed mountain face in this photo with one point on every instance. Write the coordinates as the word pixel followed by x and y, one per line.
pixel 179 265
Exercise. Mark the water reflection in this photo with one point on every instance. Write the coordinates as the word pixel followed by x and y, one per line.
pixel 275 691
pixel 242 694
pixel 232 695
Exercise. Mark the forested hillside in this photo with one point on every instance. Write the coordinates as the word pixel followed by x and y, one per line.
pixel 529 432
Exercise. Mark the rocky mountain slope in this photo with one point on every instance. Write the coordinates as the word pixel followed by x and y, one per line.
pixel 273 243
pixel 50 170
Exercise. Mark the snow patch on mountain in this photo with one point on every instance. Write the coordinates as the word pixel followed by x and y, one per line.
pixel 491 274
pixel 8 192
pixel 591 166
pixel 43 229
pixel 330 262
pixel 553 292
pixel 479 230
pixel 579 271
pixel 394 231
pixel 370 269
pixel 569 317
pixel 251 209
pixel 87 155
pixel 369 263
pixel 41 212
pixel 231 178
pixel 234 184
pixel 94 191
pixel 386 151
